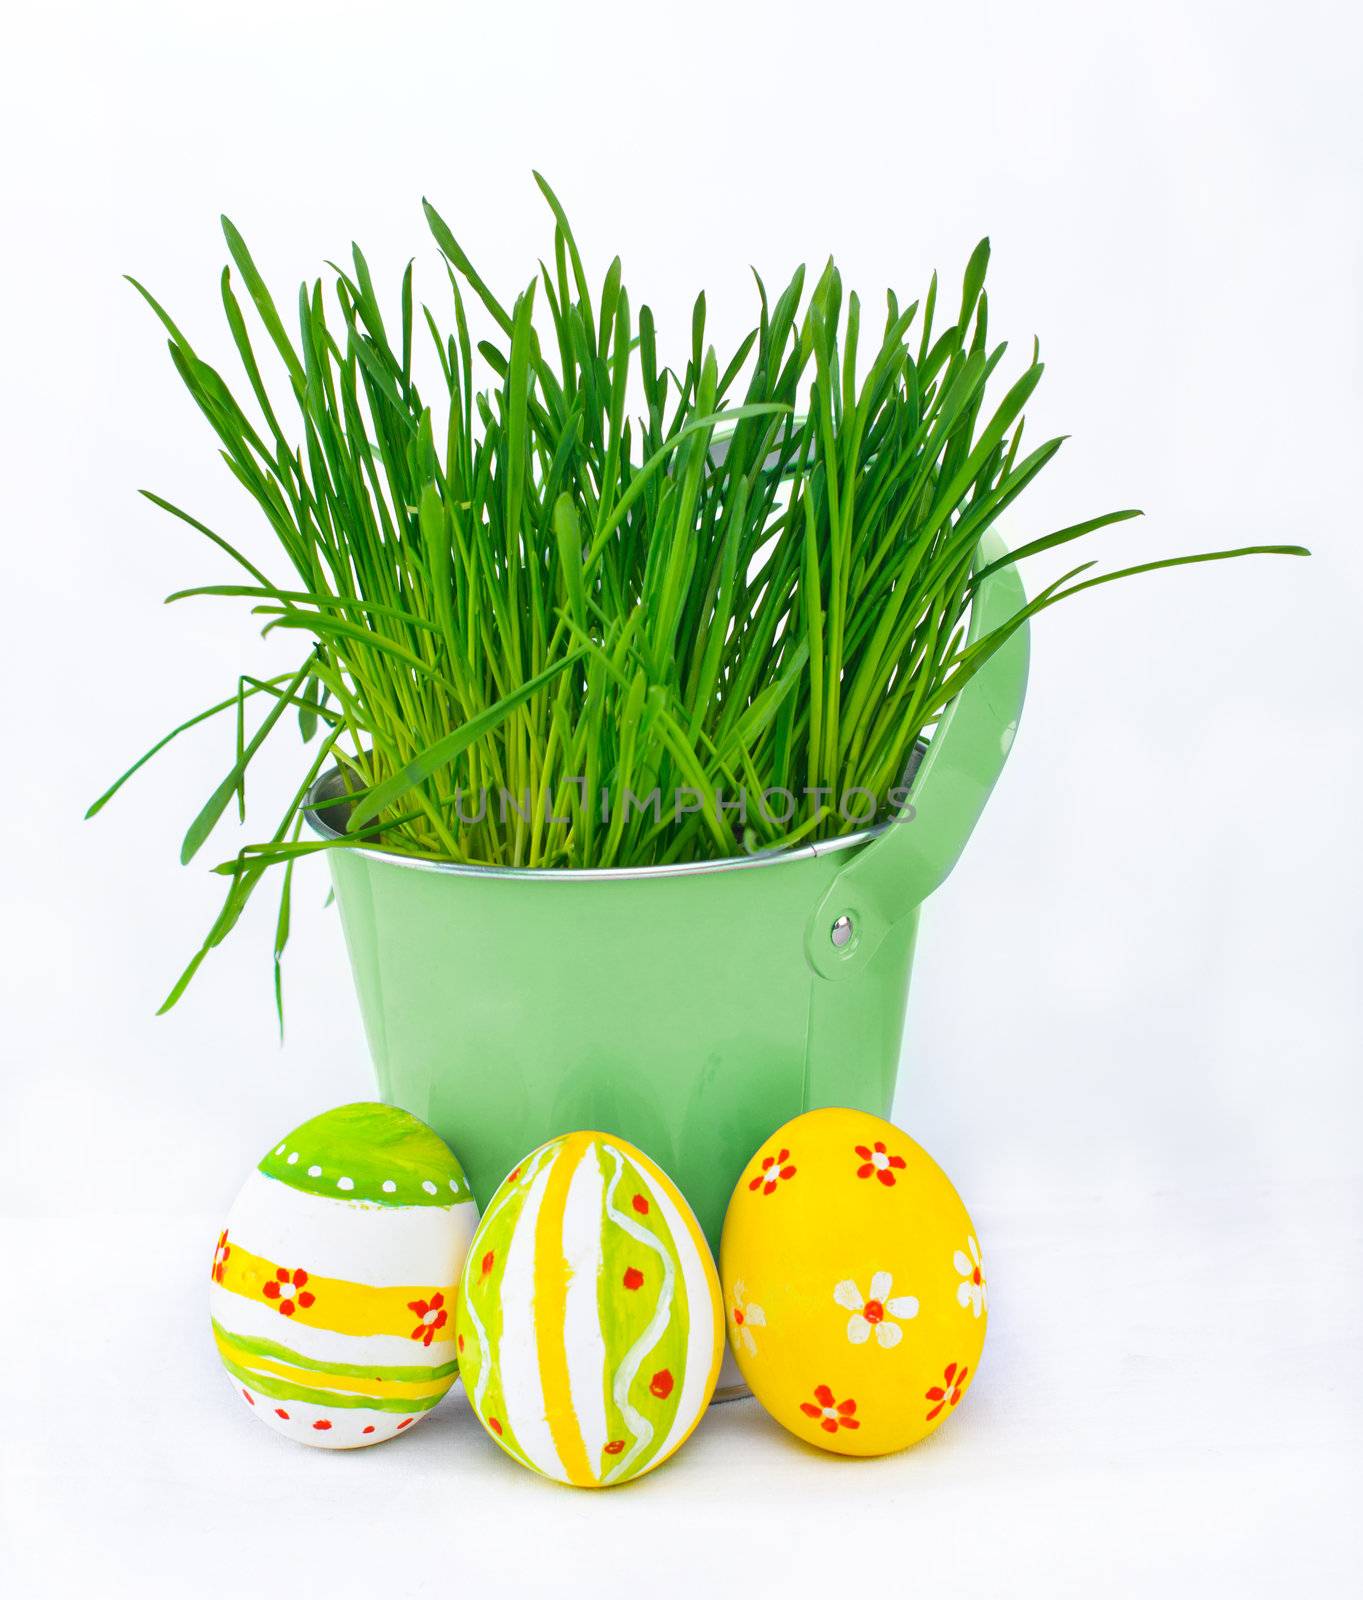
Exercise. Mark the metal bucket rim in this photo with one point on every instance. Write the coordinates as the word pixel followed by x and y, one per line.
pixel 325 789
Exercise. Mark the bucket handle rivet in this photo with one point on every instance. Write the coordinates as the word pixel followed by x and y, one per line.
pixel 841 932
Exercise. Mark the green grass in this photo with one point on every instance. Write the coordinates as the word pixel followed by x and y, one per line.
pixel 581 563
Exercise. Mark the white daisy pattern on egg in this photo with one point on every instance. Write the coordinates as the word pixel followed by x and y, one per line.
pixel 972 1293
pixel 879 1313
pixel 745 1317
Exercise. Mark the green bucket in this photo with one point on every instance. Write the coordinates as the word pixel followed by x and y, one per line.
pixel 689 1009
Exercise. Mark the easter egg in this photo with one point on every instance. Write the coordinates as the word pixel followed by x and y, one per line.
pixel 589 1322
pixel 854 1289
pixel 333 1282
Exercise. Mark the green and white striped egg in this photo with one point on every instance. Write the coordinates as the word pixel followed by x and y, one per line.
pixel 334 1280
pixel 589 1321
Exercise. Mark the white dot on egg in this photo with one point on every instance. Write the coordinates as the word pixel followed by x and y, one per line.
pixel 293 1157
pixel 314 1172
pixel 389 1187
pixel 345 1183
pixel 454 1187
pixel 280 1151
pixel 428 1186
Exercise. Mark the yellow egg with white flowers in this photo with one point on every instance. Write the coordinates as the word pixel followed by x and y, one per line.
pixel 854 1287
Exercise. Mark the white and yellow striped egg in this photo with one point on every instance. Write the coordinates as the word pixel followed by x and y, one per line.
pixel 333 1283
pixel 589 1322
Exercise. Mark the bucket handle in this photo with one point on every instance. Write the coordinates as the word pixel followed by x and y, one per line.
pixel 898 870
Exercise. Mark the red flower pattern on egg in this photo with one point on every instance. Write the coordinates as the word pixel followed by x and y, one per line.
pixel 878 1162
pixel 287 1291
pixel 949 1391
pixel 433 1317
pixel 831 1414
pixel 774 1170
pixel 220 1255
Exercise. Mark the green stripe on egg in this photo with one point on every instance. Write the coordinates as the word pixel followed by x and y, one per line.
pixel 281 1389
pixel 273 1351
pixel 369 1152
pixel 642 1393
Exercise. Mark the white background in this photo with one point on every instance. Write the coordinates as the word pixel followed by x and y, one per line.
pixel 1135 1032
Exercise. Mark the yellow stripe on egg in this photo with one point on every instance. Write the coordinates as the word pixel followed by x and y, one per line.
pixel 338 1305
pixel 551 1300
pixel 518 1352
